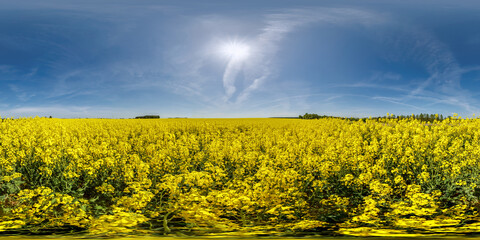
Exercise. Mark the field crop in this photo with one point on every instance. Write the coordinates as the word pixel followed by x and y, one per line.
pixel 332 176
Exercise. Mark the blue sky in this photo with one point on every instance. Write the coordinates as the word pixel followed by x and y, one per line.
pixel 251 58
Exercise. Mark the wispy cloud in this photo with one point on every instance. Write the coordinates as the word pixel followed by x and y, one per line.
pixel 6 69
pixel 407 42
pixel 116 52
pixel 65 111
pixel 241 79
pixel 21 94
pixel 279 25
pixel 445 73
pixel 398 102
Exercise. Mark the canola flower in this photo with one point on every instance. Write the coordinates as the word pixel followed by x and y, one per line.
pixel 106 176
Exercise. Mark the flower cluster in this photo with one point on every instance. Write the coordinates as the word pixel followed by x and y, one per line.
pixel 109 176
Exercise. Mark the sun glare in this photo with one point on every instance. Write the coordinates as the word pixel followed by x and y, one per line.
pixel 235 50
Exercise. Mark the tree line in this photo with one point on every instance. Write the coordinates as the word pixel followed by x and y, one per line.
pixel 427 117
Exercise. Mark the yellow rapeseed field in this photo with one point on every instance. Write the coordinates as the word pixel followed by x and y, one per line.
pixel 106 176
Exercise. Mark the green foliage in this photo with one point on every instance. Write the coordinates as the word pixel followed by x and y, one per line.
pixel 148 117
pixel 425 117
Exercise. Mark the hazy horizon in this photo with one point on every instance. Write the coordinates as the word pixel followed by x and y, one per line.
pixel 230 59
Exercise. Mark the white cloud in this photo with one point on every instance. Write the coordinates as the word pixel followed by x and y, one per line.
pixel 6 69
pixel 279 25
pixel 196 72
pixel 63 111
pixel 410 43
pixel 445 73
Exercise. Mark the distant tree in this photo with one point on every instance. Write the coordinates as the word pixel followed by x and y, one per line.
pixel 427 117
pixel 147 116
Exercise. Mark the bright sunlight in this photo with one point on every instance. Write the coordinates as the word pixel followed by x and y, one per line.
pixel 235 50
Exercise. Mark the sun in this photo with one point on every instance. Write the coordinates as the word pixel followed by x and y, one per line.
pixel 235 50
